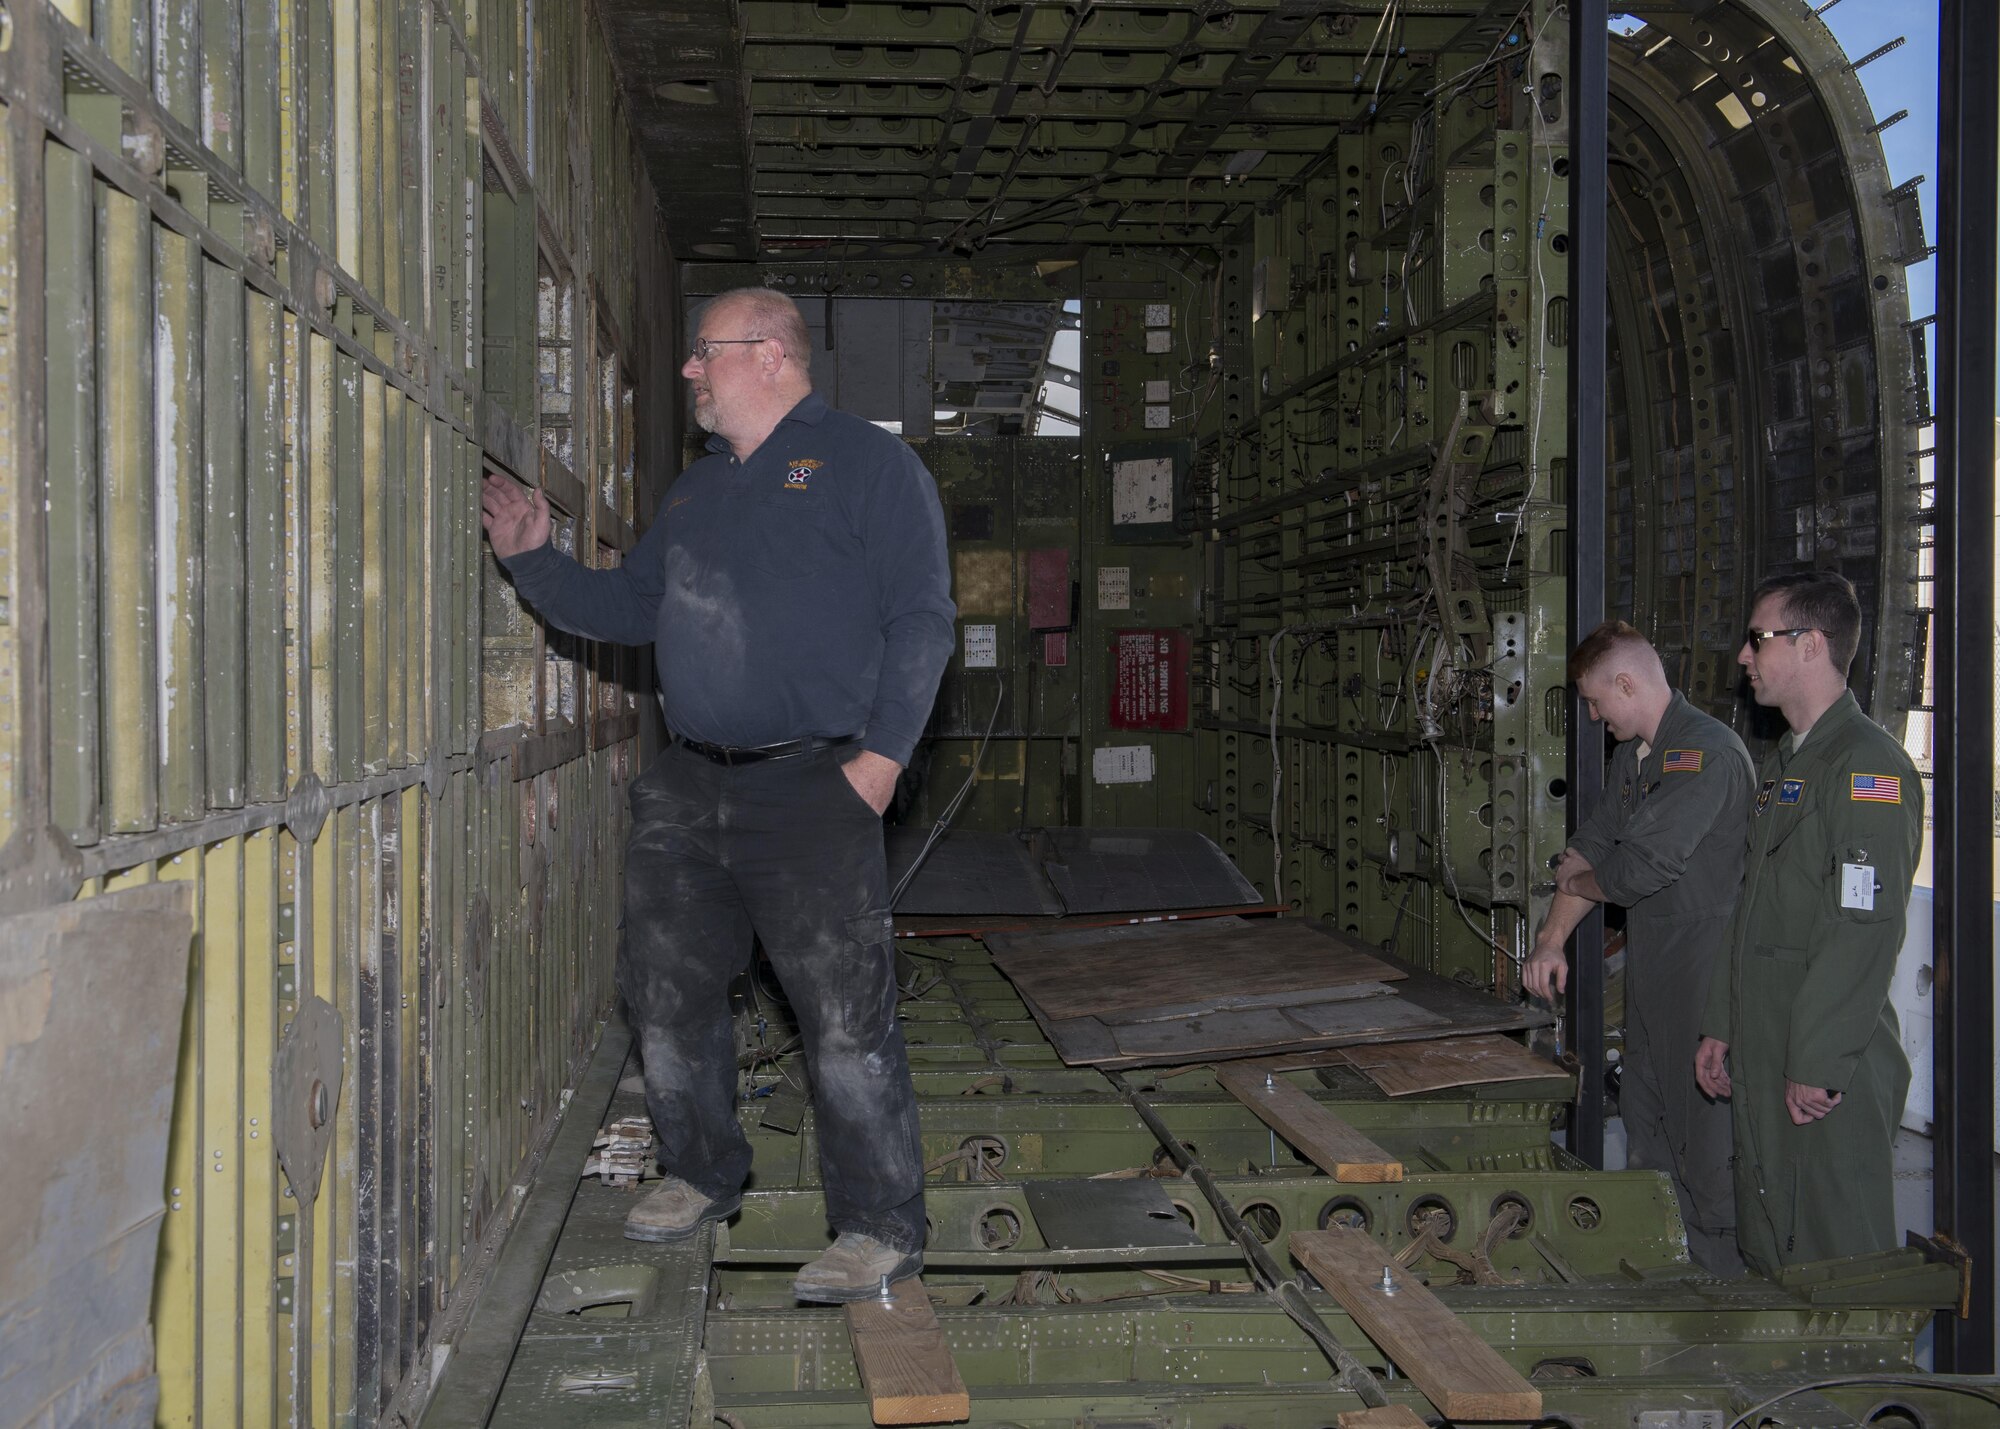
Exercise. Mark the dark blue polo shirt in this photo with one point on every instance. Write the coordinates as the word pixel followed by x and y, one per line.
pixel 806 591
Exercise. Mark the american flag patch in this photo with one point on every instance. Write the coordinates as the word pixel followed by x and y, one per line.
pixel 1877 788
pixel 1682 761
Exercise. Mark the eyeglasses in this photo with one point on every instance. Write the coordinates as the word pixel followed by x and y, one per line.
pixel 704 348
pixel 1755 638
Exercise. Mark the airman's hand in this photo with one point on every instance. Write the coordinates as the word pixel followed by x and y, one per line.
pixel 1711 1067
pixel 515 518
pixel 1808 1104
pixel 1546 973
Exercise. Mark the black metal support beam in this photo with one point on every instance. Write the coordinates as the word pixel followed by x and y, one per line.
pixel 1589 206
pixel 1962 812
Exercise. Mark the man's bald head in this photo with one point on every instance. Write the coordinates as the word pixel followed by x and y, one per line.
pixel 1619 675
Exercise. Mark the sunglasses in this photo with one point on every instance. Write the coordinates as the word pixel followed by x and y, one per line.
pixel 1755 638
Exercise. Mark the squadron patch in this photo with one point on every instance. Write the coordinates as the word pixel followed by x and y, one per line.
pixel 1682 761
pixel 1791 791
pixel 1764 795
pixel 800 474
pixel 1875 789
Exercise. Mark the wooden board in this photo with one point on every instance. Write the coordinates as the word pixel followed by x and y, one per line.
pixel 1318 1133
pixel 1456 1010
pixel 1098 972
pixel 905 1364
pixel 1457 1371
pixel 1248 1002
pixel 1343 1019
pixel 1400 1068
pixel 912 926
pixel 1389 1416
pixel 1189 1039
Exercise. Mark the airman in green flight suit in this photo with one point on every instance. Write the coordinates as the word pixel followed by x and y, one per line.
pixel 1666 844
pixel 1799 1030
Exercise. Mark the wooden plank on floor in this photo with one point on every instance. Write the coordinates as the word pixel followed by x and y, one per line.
pixel 1389 1416
pixel 1318 1133
pixel 1250 1002
pixel 1098 972
pixel 1401 1068
pixel 1457 1371
pixel 905 1364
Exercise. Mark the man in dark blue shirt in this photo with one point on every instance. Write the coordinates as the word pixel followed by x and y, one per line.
pixel 796 589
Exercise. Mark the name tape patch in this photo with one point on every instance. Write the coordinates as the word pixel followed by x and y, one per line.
pixel 1876 789
pixel 1791 791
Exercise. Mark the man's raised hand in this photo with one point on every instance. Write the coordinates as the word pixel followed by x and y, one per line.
pixel 515 518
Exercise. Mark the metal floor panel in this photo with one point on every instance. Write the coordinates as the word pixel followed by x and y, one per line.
pixel 970 872
pixel 1098 1215
pixel 1142 870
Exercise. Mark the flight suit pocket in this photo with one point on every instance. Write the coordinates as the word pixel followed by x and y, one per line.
pixel 1857 890
pixel 1771 976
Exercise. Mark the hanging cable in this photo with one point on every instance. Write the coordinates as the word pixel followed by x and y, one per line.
pixel 939 829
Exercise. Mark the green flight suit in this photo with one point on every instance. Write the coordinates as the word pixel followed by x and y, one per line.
pixel 1667 843
pixel 1833 848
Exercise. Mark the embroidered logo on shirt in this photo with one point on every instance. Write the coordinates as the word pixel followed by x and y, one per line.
pixel 1764 794
pixel 1876 788
pixel 801 473
pixel 1682 761
pixel 1791 791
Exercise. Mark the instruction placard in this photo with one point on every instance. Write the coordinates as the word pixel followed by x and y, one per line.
pixel 1122 764
pixel 1114 587
pixel 982 647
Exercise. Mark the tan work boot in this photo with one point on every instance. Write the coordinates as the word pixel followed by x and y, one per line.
pixel 675 1212
pixel 852 1269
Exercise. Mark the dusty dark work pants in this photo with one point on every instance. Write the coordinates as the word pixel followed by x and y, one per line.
pixel 786 849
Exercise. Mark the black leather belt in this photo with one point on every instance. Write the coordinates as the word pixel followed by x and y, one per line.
pixel 736 754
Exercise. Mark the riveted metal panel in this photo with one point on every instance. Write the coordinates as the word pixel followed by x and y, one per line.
pixel 260 235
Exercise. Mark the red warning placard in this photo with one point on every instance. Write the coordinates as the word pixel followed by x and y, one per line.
pixel 1149 683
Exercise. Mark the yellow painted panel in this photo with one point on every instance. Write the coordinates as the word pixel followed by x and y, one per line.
pixel 177 1282
pixel 409 907
pixel 416 585
pixel 125 33
pixel 125 446
pixel 288 116
pixel 347 134
pixel 324 1332
pixel 374 615
pixel 10 719
pixel 290 1338
pixel 368 124
pixel 262 893
pixel 177 524
pixel 398 95
pixel 319 595
pixel 222 1147
pixel 298 615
